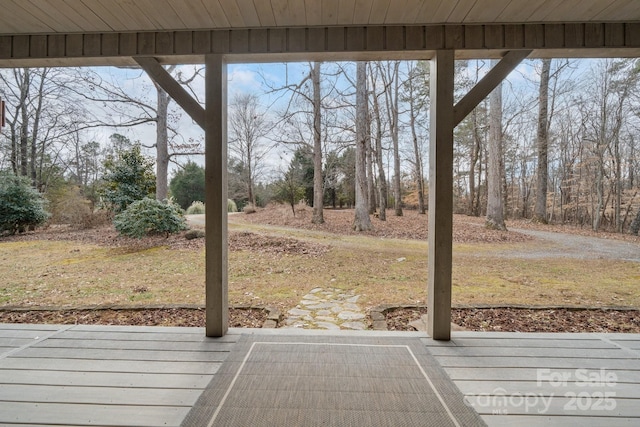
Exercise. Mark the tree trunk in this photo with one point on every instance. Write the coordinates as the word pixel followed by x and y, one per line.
pixel 318 190
pixel 24 128
pixel 475 154
pixel 495 208
pixel 418 156
pixel 542 177
pixel 393 108
pixel 361 221
pixel 382 180
pixel 162 145
pixel 371 186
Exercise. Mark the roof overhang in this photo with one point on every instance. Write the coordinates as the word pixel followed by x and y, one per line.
pixel 111 32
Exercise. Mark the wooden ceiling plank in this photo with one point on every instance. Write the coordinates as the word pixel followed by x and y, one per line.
pixel 19 15
pixel 194 17
pixel 411 11
pixel 362 12
pixel 566 11
pixel 461 11
pixel 379 11
pixel 346 12
pixel 216 13
pixel 51 10
pixel 427 11
pixel 440 14
pixel 94 21
pixel 264 9
pixel 487 11
pixel 112 15
pixel 233 14
pixel 160 13
pixel 395 12
pixel 297 12
pixel 313 12
pixel 517 11
pixel 138 21
pixel 79 14
pixel 249 13
pixel 280 11
pixel 619 10
pixel 330 12
pixel 544 10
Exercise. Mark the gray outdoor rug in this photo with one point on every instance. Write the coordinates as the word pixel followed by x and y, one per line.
pixel 330 381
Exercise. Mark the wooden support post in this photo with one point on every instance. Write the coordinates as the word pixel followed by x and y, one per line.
pixel 172 87
pixel 440 195
pixel 217 298
pixel 489 82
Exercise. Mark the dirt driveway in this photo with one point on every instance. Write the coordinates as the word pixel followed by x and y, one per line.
pixel 563 245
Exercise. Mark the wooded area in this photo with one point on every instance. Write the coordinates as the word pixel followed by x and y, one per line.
pixel 556 143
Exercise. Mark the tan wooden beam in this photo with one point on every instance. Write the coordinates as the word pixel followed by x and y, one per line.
pixel 173 88
pixel 488 83
pixel 217 298
pixel 440 196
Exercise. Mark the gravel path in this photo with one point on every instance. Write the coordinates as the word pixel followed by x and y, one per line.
pixel 562 245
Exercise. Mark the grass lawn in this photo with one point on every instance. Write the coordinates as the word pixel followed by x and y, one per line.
pixel 69 273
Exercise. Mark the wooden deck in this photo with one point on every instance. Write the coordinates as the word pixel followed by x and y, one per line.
pixel 149 376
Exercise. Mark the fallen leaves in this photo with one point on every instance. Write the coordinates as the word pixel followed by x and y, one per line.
pixel 527 319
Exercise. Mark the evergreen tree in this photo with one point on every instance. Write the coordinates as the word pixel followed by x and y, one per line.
pixel 187 186
pixel 129 178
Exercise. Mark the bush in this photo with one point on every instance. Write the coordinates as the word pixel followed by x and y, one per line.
pixel 20 205
pixel 196 208
pixel 249 209
pixel 68 205
pixel 231 206
pixel 149 216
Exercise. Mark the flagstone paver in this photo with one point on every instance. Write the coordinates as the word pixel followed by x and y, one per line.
pixel 327 308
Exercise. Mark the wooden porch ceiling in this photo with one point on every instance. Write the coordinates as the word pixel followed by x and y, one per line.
pixel 98 16
pixel 111 32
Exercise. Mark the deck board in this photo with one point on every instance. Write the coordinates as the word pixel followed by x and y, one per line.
pixel 91 375
pixel 122 366
pixel 546 379
pixel 81 414
pixel 143 376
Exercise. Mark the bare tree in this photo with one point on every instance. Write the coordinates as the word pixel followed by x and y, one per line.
pixel 391 79
pixel 124 109
pixel 43 119
pixel 540 213
pixel 377 119
pixel 416 105
pixel 247 128
pixel 495 207
pixel 361 221
pixel 318 187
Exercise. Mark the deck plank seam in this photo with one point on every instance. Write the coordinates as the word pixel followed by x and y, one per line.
pixel 35 342
pixel 630 351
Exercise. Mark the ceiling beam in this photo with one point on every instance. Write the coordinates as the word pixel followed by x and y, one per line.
pixel 173 88
pixel 488 83
pixel 559 40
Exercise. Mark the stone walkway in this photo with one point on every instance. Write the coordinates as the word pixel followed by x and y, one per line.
pixel 327 309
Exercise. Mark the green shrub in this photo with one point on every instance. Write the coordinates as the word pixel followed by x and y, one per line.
pixel 21 206
pixel 196 208
pixel 149 216
pixel 231 206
